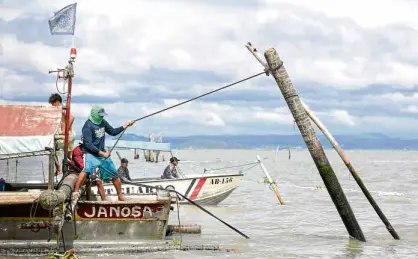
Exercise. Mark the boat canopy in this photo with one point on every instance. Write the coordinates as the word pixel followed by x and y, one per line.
pixel 27 129
pixel 123 144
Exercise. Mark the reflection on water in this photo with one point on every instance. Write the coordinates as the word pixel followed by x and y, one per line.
pixel 308 226
pixel 353 249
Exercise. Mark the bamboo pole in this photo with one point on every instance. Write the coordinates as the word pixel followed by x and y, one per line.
pixel 273 184
pixel 352 170
pixel 314 146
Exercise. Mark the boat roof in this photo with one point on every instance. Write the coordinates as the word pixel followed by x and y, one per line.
pixel 27 128
pixel 144 145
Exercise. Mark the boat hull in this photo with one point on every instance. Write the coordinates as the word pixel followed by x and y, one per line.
pixel 143 218
pixel 204 190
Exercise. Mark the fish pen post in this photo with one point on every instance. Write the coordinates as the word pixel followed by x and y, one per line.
pixel 272 183
pixel 352 170
pixel 328 176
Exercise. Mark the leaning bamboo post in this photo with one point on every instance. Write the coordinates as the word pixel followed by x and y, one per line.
pixel 352 170
pixel 272 183
pixel 314 146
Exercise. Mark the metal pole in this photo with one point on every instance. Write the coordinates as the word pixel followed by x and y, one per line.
pixel 68 74
pixel 17 162
pixel 67 120
pixel 8 172
pixel 352 170
pixel 51 170
pixel 291 97
pixel 273 184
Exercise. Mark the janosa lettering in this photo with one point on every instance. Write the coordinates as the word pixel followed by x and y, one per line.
pixel 117 212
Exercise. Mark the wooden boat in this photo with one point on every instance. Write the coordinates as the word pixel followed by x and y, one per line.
pixel 29 215
pixel 203 189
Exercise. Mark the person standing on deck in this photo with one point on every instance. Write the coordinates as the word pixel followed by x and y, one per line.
pixel 56 100
pixel 170 172
pixel 78 166
pixel 93 134
pixel 123 171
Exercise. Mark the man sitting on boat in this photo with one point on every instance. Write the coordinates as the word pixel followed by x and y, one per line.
pixel 123 171
pixel 77 166
pixel 170 172
pixel 56 100
pixel 93 133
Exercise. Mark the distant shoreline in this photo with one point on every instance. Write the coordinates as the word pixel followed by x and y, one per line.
pixel 292 149
pixel 369 141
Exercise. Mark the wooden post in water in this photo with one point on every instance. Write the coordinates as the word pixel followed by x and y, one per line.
pixel 314 146
pixel 273 184
pixel 352 170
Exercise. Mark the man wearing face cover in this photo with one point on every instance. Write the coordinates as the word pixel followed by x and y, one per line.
pixel 93 134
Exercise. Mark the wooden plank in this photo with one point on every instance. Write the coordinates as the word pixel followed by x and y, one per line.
pixel 9 198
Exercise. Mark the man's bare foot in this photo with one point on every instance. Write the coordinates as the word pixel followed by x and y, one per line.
pixel 58 172
pixel 121 197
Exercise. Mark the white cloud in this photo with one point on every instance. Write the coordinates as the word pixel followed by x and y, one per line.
pixel 343 44
pixel 343 117
pixel 399 98
pixel 280 115
pixel 369 14
pixel 187 35
pixel 411 109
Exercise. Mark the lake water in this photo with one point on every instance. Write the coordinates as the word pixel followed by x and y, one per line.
pixel 308 226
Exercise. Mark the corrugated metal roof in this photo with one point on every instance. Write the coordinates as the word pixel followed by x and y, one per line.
pixel 25 120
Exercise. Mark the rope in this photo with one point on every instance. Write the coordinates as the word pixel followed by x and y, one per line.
pixel 60 213
pixel 228 167
pixel 178 218
pixel 181 103
pixel 36 201
pixel 67 255
pixel 249 168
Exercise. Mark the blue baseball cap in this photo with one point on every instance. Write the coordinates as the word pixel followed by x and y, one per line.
pixel 102 112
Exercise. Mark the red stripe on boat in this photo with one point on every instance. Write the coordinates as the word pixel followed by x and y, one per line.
pixel 198 188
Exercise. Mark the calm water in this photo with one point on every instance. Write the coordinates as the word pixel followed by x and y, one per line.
pixel 309 225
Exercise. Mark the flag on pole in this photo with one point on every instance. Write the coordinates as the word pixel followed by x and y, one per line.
pixel 63 21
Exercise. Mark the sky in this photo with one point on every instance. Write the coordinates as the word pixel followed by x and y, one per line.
pixel 354 63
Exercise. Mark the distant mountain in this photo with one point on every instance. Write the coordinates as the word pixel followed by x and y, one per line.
pixel 363 141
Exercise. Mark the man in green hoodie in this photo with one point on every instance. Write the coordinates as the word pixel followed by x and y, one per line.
pixel 95 155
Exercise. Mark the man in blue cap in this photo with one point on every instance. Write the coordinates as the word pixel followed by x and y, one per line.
pixel 124 171
pixel 170 172
pixel 93 134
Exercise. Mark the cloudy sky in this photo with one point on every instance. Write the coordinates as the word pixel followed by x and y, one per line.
pixel 355 63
